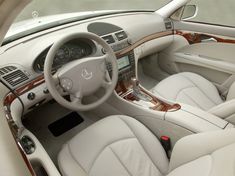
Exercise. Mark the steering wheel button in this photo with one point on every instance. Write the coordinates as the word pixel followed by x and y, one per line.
pixel 66 83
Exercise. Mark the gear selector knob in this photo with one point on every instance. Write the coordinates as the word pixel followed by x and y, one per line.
pixel 135 83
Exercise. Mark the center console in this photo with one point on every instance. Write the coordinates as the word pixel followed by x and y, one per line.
pixel 129 89
pixel 161 116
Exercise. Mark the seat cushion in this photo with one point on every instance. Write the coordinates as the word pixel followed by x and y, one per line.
pixel 189 88
pixel 121 146
pixel 117 145
pixel 204 154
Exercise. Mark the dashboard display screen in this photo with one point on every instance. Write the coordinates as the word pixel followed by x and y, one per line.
pixel 123 62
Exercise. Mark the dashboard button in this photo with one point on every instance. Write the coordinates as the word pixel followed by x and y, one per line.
pixel 31 96
pixel 45 91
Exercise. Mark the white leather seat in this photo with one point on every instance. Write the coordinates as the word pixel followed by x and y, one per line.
pixel 189 88
pixel 193 89
pixel 122 146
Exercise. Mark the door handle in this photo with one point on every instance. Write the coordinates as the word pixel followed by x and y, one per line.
pixel 209 40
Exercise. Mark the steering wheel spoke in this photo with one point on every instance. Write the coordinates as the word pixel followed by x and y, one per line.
pixel 77 101
pixel 55 79
pixel 77 98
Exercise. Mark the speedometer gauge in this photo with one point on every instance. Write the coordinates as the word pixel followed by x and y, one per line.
pixel 78 52
pixel 62 56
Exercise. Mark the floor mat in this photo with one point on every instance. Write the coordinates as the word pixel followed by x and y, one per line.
pixel 65 124
pixel 38 121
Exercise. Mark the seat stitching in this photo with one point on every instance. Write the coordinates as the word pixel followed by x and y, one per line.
pixel 182 90
pixel 70 152
pixel 105 148
pixel 187 162
pixel 129 173
pixel 193 100
pixel 142 145
pixel 198 88
pixel 208 154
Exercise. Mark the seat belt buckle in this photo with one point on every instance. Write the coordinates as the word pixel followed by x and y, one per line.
pixel 166 143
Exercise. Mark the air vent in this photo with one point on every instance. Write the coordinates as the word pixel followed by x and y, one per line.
pixel 109 39
pixel 168 24
pixel 6 70
pixel 121 35
pixel 15 78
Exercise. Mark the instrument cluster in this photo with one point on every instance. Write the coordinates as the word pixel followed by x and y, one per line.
pixel 67 53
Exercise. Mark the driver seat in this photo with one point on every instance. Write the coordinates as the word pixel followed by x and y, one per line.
pixel 122 146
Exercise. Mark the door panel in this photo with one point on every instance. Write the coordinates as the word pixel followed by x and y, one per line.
pixel 209 53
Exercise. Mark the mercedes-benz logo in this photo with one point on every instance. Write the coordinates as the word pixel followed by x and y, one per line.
pixel 86 75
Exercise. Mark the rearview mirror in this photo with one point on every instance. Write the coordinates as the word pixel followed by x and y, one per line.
pixel 189 12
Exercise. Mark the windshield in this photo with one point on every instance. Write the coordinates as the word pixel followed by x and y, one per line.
pixel 43 14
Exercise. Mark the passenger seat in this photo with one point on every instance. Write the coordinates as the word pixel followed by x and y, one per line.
pixel 192 89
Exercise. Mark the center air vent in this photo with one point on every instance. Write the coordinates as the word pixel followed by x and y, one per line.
pixel 109 39
pixel 121 35
pixel 7 69
pixel 15 78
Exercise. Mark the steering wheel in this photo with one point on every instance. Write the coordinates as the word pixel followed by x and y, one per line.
pixel 81 77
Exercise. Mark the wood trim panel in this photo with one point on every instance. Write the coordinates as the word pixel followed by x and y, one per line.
pixel 193 38
pixel 23 89
pixel 123 90
pixel 164 106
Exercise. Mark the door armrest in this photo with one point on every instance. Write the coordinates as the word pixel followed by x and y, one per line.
pixel 225 111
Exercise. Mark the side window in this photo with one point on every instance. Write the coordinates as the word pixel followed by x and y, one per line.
pixel 220 12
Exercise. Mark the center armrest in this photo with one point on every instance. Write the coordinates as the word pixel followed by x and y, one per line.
pixel 196 120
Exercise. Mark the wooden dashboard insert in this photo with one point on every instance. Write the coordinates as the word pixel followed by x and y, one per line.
pixel 164 106
pixel 23 89
pixel 193 38
pixel 124 90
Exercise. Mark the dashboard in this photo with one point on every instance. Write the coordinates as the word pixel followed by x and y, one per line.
pixel 22 61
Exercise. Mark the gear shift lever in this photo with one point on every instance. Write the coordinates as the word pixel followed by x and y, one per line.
pixel 135 85
pixel 137 92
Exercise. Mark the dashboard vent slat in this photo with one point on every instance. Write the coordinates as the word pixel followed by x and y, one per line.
pixel 109 39
pixel 121 35
pixel 15 77
pixel 6 70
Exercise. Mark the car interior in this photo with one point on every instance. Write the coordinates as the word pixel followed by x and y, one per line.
pixel 142 93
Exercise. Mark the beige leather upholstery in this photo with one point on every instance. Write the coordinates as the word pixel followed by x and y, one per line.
pixel 205 154
pixel 114 146
pixel 120 145
pixel 189 88
pixel 194 90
